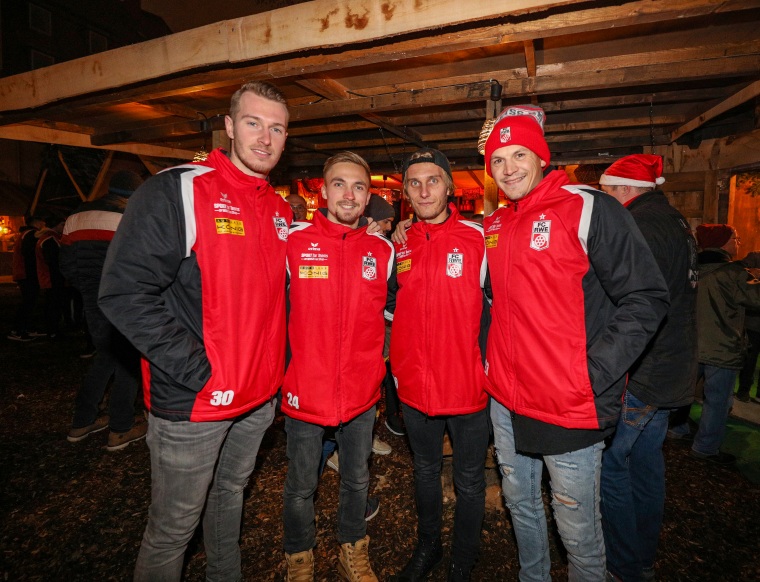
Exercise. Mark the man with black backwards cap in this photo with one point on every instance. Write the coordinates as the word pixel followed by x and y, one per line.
pixel 726 290
pixel 663 378
pixel 577 296
pixel 437 364
pixel 87 235
pixel 195 279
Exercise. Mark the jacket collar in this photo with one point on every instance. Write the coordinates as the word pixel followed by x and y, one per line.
pixel 331 228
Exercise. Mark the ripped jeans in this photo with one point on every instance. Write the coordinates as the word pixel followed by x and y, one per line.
pixel 575 500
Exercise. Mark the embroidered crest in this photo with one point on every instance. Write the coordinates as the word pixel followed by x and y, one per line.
pixel 454 264
pixel 505 134
pixel 281 226
pixel 539 238
pixel 369 267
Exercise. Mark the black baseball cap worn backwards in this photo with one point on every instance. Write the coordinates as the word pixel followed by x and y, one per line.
pixel 428 156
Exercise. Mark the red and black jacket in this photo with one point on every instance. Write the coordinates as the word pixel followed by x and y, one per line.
pixel 194 278
pixel 577 295
pixel 435 356
pixel 338 293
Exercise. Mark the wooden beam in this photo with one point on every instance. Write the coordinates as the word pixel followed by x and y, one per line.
pixel 292 29
pixel 71 177
pixel 200 48
pixel 334 91
pixel 101 176
pixel 475 178
pixel 38 191
pixel 749 92
pixel 43 135
pixel 530 64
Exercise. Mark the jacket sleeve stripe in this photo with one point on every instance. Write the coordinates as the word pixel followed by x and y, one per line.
pixel 584 224
pixel 188 204
pixel 91 221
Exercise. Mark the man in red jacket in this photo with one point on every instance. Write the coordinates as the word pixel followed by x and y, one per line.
pixel 437 363
pixel 194 278
pixel 338 293
pixel 577 295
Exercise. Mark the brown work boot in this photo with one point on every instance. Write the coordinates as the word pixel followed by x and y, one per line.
pixel 119 440
pixel 300 566
pixel 77 434
pixel 353 563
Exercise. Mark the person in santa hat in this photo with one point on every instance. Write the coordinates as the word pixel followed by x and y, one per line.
pixel 662 379
pixel 577 296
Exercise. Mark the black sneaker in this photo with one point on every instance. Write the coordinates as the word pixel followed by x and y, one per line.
pixel 720 458
pixel 742 396
pixel 373 508
pixel 458 572
pixel 427 557
pixel 395 425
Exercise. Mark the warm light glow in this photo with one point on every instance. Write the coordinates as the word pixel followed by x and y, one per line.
pixel 200 155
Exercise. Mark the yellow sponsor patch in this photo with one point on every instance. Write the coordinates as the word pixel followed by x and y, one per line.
pixel 404 266
pixel 492 240
pixel 229 226
pixel 312 272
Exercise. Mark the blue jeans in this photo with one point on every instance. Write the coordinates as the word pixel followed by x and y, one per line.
pixel 469 436
pixel 718 398
pixel 192 464
pixel 304 450
pixel 115 357
pixel 633 488
pixel 575 500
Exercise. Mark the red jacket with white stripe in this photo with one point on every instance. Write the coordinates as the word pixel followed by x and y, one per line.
pixel 577 295
pixel 195 279
pixel 435 356
pixel 338 293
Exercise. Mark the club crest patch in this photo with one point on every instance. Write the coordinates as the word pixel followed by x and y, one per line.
pixel 539 238
pixel 454 264
pixel 281 226
pixel 505 134
pixel 369 267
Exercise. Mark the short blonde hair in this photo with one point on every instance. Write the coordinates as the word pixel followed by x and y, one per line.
pixel 259 88
pixel 347 157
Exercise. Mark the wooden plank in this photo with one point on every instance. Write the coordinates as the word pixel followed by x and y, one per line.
pixel 564 82
pixel 749 92
pixel 101 176
pixel 292 29
pixel 71 177
pixel 59 137
pixel 38 191
pixel 710 200
pixel 204 47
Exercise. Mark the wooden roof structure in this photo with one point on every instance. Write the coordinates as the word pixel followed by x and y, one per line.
pixel 383 77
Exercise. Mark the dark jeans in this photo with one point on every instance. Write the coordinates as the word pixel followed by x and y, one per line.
pixel 304 450
pixel 115 357
pixel 633 488
pixel 29 293
pixel 747 374
pixel 469 436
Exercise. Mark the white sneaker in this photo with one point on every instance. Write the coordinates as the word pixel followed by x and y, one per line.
pixel 332 462
pixel 380 447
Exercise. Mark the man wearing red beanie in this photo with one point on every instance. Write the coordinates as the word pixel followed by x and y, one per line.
pixel 633 468
pixel 577 296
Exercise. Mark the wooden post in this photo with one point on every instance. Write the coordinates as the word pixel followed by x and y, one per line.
pixel 219 139
pixel 710 200
pixel 490 190
pixel 37 192
pixel 101 176
pixel 71 177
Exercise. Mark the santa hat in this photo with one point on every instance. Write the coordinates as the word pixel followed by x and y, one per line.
pixel 640 170
pixel 713 236
pixel 518 125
